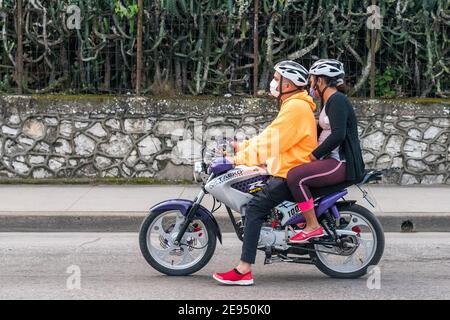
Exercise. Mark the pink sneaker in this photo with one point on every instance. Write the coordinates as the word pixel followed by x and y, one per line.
pixel 232 277
pixel 303 236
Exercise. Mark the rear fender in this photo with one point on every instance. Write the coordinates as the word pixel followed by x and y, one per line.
pixel 329 201
pixel 341 204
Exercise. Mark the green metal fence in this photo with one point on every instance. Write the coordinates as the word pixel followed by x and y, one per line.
pixel 220 46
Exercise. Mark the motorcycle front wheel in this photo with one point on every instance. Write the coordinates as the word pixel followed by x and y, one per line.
pixel 157 234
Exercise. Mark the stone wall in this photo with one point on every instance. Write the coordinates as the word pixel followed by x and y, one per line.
pixel 102 136
pixel 413 137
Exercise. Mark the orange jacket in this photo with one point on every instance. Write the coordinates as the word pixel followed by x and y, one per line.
pixel 287 142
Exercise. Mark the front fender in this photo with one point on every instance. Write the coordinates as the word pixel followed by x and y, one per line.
pixel 184 205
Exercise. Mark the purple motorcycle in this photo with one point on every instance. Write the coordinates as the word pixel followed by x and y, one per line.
pixel 178 237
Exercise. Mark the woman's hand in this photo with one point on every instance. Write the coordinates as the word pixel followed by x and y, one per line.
pixel 311 156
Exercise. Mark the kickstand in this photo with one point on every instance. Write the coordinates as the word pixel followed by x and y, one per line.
pixel 268 259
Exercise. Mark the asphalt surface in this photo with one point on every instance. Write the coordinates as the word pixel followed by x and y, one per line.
pixel 110 265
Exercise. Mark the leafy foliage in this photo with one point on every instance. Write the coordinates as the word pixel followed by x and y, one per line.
pixel 206 46
pixel 384 83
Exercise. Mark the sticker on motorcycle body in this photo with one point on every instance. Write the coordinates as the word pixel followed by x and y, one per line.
pixel 288 209
pixel 256 186
pixel 225 178
pixel 230 176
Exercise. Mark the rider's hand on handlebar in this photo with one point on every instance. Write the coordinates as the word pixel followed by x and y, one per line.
pixel 234 144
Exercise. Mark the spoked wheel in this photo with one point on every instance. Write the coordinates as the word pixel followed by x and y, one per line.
pixel 156 239
pixel 357 252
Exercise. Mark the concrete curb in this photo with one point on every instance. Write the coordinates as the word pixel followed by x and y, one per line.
pixel 121 222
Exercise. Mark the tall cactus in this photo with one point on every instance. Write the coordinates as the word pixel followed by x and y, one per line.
pixel 206 46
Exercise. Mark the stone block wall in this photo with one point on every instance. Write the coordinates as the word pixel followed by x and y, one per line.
pixel 104 136
pixel 411 136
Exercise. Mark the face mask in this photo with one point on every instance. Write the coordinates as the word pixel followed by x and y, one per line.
pixel 313 89
pixel 273 88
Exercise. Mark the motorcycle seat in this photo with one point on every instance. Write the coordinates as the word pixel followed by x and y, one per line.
pixel 369 176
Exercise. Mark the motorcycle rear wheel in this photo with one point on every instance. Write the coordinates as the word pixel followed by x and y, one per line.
pixel 353 217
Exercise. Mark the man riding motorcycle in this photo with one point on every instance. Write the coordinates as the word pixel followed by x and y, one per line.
pixel 287 142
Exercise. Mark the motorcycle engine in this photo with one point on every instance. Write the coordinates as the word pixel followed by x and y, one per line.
pixel 267 237
pixel 271 237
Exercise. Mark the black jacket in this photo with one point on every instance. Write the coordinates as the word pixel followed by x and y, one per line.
pixel 344 133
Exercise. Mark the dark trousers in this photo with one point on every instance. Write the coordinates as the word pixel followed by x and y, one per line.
pixel 275 192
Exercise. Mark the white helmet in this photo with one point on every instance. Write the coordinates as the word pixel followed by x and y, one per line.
pixel 293 71
pixel 328 67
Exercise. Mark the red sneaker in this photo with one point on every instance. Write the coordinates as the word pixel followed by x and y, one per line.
pixel 232 277
pixel 303 236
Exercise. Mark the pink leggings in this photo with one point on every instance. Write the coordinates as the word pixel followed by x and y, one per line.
pixel 319 173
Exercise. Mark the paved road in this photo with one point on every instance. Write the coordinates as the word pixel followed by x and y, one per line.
pixel 34 266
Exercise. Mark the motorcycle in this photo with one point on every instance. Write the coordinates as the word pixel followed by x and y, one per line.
pixel 178 237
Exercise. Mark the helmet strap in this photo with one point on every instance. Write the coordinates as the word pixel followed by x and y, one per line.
pixel 281 88
pixel 321 92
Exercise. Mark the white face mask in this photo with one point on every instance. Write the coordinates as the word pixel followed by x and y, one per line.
pixel 273 88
